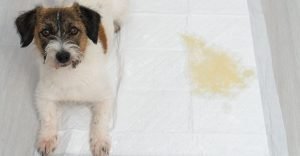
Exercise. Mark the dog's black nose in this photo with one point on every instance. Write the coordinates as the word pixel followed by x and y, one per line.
pixel 63 56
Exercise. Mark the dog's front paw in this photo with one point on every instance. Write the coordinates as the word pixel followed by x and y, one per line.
pixel 100 145
pixel 46 144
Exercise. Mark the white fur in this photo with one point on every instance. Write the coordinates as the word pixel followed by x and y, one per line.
pixel 120 8
pixel 87 83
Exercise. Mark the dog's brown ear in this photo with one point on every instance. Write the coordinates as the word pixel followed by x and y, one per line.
pixel 91 20
pixel 25 26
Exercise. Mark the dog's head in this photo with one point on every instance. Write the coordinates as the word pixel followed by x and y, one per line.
pixel 61 34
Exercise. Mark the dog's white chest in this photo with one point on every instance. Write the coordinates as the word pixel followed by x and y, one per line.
pixel 89 86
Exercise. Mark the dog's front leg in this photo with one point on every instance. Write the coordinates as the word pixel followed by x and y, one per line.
pixel 47 137
pixel 99 133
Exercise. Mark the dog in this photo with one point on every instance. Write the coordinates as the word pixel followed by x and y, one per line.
pixel 72 44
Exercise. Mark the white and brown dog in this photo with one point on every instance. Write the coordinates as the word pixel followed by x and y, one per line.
pixel 72 44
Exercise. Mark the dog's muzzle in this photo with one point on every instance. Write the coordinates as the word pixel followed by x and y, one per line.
pixel 63 57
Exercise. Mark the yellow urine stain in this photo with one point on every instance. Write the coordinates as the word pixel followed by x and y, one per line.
pixel 212 70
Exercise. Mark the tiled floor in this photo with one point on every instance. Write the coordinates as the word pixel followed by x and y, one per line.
pixel 157 114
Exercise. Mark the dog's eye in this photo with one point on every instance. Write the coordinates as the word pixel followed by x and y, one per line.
pixel 45 32
pixel 74 31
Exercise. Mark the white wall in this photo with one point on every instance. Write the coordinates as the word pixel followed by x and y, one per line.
pixel 272 109
pixel 282 19
pixel 283 23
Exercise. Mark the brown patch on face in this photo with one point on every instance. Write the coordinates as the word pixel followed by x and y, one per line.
pixel 83 43
pixel 37 40
pixel 102 37
pixel 61 24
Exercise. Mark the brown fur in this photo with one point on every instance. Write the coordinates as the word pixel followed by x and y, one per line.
pixel 102 37
pixel 69 16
